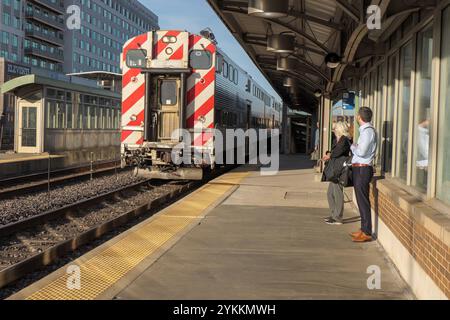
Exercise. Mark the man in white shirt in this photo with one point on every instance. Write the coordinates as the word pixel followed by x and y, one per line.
pixel 363 157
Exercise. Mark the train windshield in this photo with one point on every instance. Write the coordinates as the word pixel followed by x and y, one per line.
pixel 200 59
pixel 168 92
pixel 137 58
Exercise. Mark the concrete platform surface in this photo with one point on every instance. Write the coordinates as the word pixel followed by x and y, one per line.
pixel 22 157
pixel 268 240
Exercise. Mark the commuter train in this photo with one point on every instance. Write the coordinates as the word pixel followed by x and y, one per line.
pixel 177 80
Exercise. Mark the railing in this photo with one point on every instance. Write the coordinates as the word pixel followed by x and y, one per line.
pixel 57 22
pixel 55 56
pixel 57 39
pixel 55 5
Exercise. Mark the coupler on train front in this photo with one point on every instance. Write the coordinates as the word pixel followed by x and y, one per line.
pixel 156 162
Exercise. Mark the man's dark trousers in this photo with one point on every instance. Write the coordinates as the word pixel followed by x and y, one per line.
pixel 362 176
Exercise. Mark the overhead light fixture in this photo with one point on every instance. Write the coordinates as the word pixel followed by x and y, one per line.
pixel 268 8
pixel 332 60
pixel 318 93
pixel 294 91
pixel 281 43
pixel 287 64
pixel 289 82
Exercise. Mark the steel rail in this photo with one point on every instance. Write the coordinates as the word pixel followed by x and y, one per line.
pixel 50 255
pixel 19 189
pixel 67 210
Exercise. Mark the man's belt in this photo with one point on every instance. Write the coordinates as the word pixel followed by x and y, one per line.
pixel 360 165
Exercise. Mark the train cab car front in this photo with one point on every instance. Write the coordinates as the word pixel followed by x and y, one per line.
pixel 168 91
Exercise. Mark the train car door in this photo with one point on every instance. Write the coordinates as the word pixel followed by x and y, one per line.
pixel 168 108
pixel 29 123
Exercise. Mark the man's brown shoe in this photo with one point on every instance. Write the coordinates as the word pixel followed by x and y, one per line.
pixel 362 238
pixel 356 234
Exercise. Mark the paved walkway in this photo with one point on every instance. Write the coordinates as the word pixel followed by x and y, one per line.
pixel 268 241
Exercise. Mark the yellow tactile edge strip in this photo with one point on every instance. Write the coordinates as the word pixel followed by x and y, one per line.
pixel 106 268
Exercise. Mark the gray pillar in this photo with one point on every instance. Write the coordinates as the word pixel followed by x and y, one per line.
pixel 286 135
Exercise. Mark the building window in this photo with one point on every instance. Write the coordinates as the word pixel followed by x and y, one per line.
pixel 16 23
pixel 4 54
pixel 422 114
pixel 5 37
pixel 443 173
pixel 406 58
pixel 380 109
pixel 6 19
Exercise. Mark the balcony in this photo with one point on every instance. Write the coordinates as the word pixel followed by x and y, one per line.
pixel 58 40
pixel 55 56
pixel 57 23
pixel 54 5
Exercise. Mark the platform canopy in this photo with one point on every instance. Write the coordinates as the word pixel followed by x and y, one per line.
pixel 310 48
pixel 64 82
pixel 96 75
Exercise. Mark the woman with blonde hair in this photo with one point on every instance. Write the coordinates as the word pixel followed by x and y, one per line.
pixel 335 163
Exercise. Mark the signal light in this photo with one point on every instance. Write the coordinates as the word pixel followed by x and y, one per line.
pixel 169 39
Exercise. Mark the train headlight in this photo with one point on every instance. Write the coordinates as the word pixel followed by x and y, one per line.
pixel 169 51
pixel 133 117
pixel 169 39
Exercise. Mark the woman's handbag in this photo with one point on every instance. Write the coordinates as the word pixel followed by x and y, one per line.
pixel 329 171
pixel 315 155
pixel 318 166
pixel 346 178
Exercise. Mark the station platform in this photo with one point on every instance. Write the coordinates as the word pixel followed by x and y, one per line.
pixel 21 157
pixel 19 164
pixel 241 236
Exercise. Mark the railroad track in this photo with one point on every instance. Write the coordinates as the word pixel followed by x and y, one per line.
pixel 32 244
pixel 11 187
pixel 36 242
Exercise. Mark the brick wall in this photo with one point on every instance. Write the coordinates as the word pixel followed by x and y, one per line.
pixel 429 251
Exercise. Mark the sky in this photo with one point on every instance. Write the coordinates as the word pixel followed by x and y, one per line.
pixel 196 15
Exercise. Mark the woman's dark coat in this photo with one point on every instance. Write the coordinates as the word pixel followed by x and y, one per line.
pixel 339 154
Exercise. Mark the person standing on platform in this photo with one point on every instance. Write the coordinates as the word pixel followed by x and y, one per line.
pixel 315 154
pixel 337 157
pixel 363 171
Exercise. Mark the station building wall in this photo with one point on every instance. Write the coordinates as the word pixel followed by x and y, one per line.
pixel 408 88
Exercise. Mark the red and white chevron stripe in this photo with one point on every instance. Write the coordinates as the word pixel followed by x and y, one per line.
pixel 133 92
pixel 165 51
pixel 200 93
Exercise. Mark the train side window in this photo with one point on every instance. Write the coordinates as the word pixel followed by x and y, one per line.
pixel 236 77
pixel 219 63
pixel 225 69
pixel 168 95
pixel 137 58
pixel 231 73
pixel 200 59
pixel 248 86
